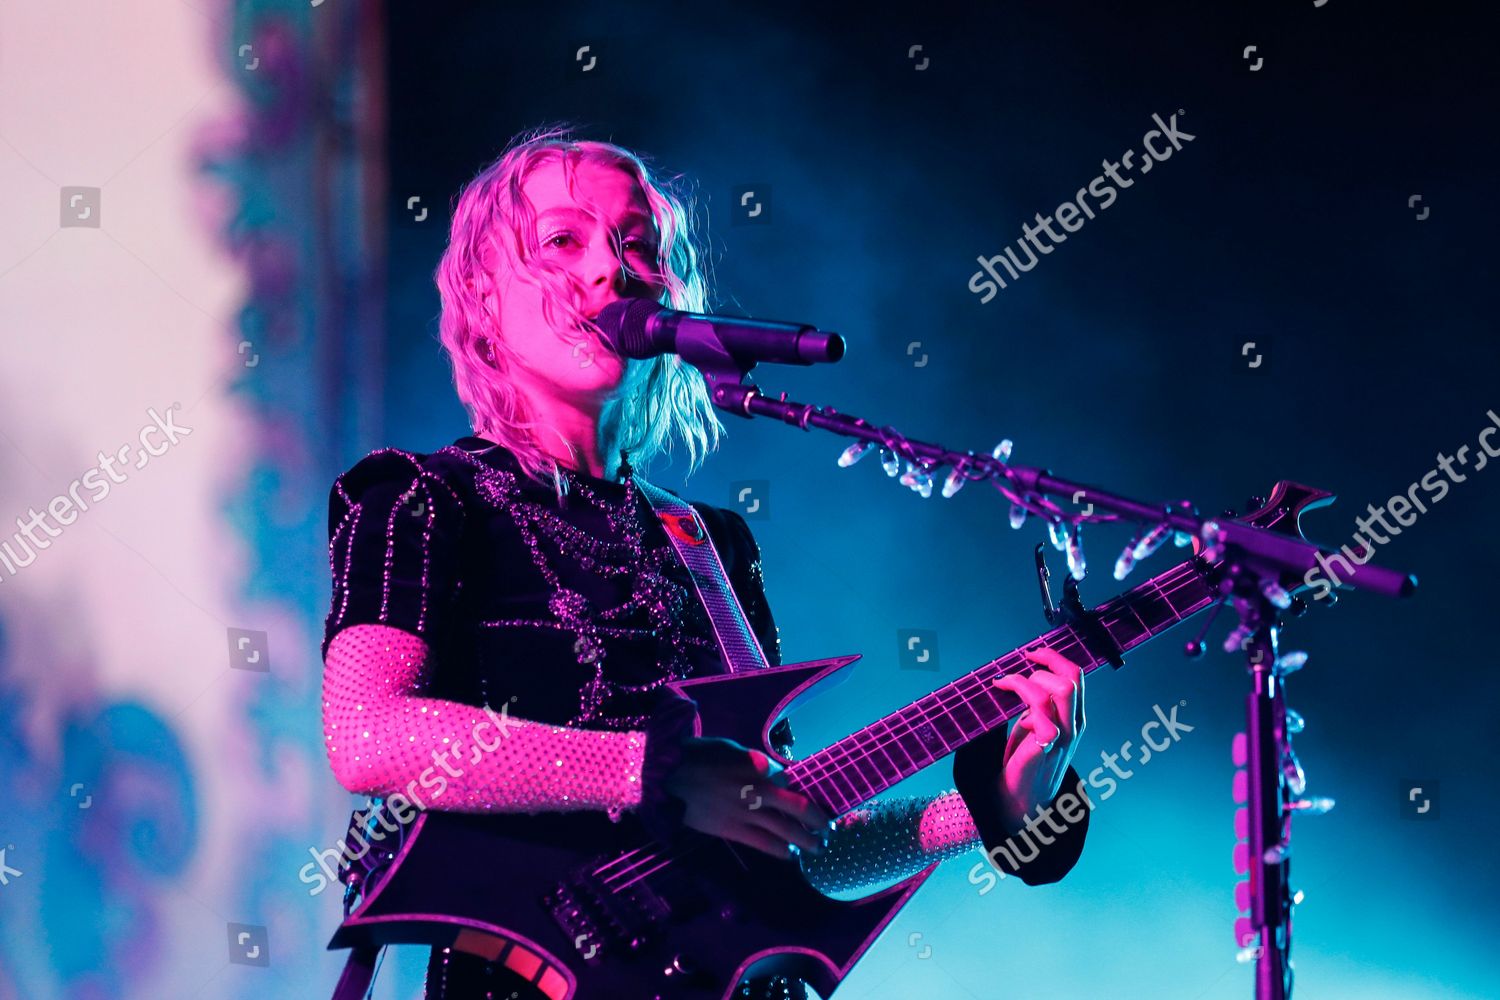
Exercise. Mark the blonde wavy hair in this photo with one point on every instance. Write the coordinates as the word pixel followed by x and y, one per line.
pixel 660 399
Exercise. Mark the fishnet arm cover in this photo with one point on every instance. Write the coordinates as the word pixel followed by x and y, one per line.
pixel 383 738
pixel 887 841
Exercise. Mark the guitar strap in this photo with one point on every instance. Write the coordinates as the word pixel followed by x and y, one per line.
pixel 738 643
pixel 689 535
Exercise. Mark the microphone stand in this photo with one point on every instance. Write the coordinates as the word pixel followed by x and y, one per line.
pixel 1259 566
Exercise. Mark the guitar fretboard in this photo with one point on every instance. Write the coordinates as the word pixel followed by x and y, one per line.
pixel 891 749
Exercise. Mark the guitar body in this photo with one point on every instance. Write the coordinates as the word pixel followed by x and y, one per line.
pixel 571 903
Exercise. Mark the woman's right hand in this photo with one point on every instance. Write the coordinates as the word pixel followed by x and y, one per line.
pixel 740 794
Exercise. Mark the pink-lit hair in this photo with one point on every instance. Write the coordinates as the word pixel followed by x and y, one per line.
pixel 659 399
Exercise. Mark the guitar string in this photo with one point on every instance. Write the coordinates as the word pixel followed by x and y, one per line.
pixel 1184 575
pixel 847 761
pixel 1177 585
pixel 938 705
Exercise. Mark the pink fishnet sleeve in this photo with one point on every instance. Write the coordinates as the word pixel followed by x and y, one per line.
pixel 383 738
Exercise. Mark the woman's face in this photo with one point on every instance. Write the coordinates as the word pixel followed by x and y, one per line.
pixel 601 234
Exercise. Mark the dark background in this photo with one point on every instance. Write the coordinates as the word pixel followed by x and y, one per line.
pixel 1286 221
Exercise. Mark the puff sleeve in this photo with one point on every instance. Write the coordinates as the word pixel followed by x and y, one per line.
pixel 394 528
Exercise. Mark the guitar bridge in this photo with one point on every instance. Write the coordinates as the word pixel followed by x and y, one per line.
pixel 606 917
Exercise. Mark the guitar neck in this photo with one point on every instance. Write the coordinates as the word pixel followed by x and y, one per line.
pixel 893 748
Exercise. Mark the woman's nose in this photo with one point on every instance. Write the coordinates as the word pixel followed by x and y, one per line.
pixel 605 266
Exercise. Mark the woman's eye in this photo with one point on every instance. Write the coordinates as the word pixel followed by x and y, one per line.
pixel 551 241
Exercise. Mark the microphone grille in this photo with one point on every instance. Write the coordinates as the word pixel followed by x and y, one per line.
pixel 624 325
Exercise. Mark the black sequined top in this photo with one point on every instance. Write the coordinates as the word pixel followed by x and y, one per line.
pixel 461 548
pixel 458 546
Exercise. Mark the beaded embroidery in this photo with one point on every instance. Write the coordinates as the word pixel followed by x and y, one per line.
pixel 664 601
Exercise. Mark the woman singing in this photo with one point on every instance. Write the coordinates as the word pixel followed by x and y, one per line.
pixel 520 569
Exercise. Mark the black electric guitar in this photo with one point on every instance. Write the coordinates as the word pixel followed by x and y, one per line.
pixel 583 907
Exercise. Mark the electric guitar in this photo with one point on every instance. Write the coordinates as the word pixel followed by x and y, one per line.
pixel 585 907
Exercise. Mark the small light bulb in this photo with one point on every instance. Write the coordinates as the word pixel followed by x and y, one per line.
pixel 1276 594
pixel 1290 663
pixel 854 453
pixel 1152 541
pixel 1076 564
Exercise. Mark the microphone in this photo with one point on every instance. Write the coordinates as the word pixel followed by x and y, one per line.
pixel 641 328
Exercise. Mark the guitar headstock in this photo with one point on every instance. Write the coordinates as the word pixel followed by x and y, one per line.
pixel 1282 510
pixel 1281 514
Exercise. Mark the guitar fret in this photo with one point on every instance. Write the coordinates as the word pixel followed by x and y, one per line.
pixel 961 708
pixel 976 709
pixel 850 795
pixel 889 739
pixel 898 745
pixel 1153 607
pixel 1128 628
pixel 928 731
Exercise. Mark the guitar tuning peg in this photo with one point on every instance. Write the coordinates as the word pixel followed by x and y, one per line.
pixel 1277 853
pixel 1017 515
pixel 1057 531
pixel 1002 450
pixel 889 462
pixel 854 453
pixel 1181 539
pixel 1297 897
pixel 953 484
pixel 1294 721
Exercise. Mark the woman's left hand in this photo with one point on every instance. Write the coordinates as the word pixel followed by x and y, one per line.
pixel 1043 739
